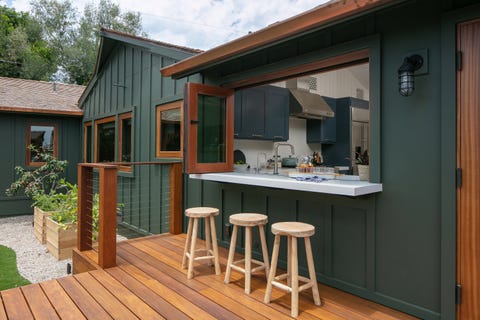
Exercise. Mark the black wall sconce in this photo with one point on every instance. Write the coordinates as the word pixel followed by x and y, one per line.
pixel 406 74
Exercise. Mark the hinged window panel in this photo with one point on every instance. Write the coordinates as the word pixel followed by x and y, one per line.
pixel 209 129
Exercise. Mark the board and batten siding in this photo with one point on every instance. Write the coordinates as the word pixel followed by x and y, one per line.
pixel 130 81
pixel 13 130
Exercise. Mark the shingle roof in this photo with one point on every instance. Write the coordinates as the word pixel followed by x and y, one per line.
pixel 21 95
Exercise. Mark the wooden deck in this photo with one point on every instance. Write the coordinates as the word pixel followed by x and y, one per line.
pixel 148 283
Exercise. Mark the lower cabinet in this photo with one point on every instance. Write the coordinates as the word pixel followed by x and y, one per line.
pixel 261 113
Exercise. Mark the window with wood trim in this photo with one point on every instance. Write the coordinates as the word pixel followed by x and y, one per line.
pixel 169 131
pixel 105 140
pixel 87 142
pixel 125 141
pixel 41 138
pixel 209 128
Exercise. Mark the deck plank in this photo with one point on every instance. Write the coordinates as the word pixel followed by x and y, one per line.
pixel 149 283
pixel 175 252
pixel 64 306
pixel 176 293
pixel 131 301
pixel 85 302
pixel 15 304
pixel 143 292
pixel 3 314
pixel 38 302
pixel 107 300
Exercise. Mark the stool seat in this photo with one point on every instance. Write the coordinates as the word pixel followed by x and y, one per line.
pixel 248 219
pixel 295 229
pixel 292 230
pixel 211 249
pixel 201 212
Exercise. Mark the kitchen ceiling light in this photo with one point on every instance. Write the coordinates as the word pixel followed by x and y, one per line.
pixel 406 74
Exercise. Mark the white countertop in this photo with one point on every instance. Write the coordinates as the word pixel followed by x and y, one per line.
pixel 340 187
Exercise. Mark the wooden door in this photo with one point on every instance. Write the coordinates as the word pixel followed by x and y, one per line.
pixel 468 159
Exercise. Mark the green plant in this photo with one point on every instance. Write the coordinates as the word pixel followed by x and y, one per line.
pixel 47 202
pixel 362 158
pixel 9 276
pixel 67 205
pixel 46 179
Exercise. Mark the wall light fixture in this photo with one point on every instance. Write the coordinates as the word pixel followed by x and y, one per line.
pixel 406 74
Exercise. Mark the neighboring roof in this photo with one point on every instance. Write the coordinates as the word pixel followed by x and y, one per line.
pixel 21 95
pixel 110 38
pixel 323 15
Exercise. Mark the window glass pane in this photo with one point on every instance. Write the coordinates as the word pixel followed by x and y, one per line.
pixel 42 138
pixel 106 142
pixel 211 133
pixel 127 140
pixel 170 127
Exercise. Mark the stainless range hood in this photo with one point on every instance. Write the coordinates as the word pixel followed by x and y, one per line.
pixel 307 105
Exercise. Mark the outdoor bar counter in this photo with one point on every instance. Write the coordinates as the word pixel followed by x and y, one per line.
pixel 335 186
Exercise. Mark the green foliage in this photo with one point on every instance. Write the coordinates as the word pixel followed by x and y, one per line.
pixel 9 276
pixel 46 179
pixel 23 52
pixel 54 41
pixel 67 206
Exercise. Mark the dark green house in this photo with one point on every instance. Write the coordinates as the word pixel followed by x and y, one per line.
pixel 41 113
pixel 408 237
pixel 133 114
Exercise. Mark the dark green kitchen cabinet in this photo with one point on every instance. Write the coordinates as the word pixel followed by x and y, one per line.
pixel 261 113
pixel 325 130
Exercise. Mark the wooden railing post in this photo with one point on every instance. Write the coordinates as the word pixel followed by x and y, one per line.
pixel 85 199
pixel 176 192
pixel 107 224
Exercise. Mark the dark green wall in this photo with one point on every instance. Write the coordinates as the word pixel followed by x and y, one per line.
pixel 13 130
pixel 396 247
pixel 130 80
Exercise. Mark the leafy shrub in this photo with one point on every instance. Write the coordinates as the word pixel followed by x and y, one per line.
pixel 46 179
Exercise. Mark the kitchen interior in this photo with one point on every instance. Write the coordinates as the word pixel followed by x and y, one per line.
pixel 327 126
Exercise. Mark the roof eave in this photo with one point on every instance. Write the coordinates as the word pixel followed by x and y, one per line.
pixel 314 18
pixel 78 113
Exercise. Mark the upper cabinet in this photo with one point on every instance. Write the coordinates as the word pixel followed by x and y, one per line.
pixel 323 131
pixel 261 113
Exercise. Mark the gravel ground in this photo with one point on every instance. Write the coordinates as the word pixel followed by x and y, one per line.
pixel 34 262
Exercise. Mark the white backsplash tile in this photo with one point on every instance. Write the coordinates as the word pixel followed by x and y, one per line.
pixel 297 134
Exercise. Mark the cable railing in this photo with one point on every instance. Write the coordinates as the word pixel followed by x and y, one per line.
pixel 114 204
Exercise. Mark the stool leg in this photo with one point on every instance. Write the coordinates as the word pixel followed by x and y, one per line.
pixel 192 249
pixel 294 274
pixel 311 271
pixel 264 249
pixel 215 246
pixel 289 261
pixel 273 267
pixel 248 258
pixel 208 243
pixel 231 253
pixel 187 243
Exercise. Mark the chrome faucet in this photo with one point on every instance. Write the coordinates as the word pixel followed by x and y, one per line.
pixel 275 157
pixel 258 160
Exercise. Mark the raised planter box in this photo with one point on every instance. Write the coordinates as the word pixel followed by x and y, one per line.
pixel 61 240
pixel 39 224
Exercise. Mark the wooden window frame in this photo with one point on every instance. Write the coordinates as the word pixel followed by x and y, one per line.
pixel 86 126
pixel 192 91
pixel 159 110
pixel 97 123
pixel 28 154
pixel 121 117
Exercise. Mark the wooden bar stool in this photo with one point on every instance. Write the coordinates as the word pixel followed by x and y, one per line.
pixel 292 230
pixel 247 220
pixel 194 214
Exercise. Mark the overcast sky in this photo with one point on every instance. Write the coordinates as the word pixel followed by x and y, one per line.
pixel 201 24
